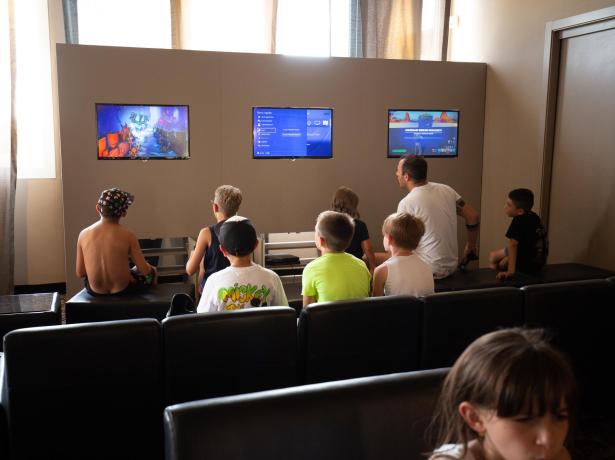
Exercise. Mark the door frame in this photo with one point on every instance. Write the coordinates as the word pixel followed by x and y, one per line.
pixel 555 32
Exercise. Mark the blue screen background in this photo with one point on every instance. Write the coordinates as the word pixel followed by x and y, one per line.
pixel 292 133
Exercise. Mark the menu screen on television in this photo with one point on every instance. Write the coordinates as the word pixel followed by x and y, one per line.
pixel 133 132
pixel 292 132
pixel 429 133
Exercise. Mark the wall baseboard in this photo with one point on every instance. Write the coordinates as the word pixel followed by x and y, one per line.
pixel 39 288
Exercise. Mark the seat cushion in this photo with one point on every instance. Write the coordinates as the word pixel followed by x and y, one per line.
pixel 153 303
pixel 480 279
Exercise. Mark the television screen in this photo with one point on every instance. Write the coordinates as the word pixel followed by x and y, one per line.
pixel 429 133
pixel 130 131
pixel 291 132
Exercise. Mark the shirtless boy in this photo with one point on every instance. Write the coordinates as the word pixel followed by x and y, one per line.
pixel 103 249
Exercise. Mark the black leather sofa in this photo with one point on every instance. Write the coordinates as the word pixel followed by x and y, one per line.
pixel 485 277
pixel 357 338
pixel 369 418
pixel 452 320
pixel 153 303
pixel 88 391
pixel 66 381
pixel 580 315
pixel 228 353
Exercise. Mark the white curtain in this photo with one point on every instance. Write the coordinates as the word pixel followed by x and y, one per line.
pixel 8 146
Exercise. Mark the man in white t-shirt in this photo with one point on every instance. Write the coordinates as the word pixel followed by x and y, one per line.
pixel 438 206
pixel 244 284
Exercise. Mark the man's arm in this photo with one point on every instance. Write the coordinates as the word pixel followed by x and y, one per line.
pixel 472 220
pixel 80 264
pixel 137 256
pixel 202 243
pixel 512 260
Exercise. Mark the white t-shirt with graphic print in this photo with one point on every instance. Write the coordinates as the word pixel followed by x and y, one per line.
pixel 235 288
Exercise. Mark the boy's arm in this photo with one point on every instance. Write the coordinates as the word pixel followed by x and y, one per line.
pixel 512 260
pixel 80 264
pixel 380 277
pixel 472 220
pixel 137 255
pixel 366 245
pixel 201 277
pixel 308 290
pixel 308 300
pixel 202 242
pixel 280 294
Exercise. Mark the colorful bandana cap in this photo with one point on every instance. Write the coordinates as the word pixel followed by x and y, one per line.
pixel 115 201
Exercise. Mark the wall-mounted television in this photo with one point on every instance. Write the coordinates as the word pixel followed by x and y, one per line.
pixel 142 132
pixel 429 133
pixel 292 132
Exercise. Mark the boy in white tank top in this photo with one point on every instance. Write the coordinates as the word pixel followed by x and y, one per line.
pixel 404 272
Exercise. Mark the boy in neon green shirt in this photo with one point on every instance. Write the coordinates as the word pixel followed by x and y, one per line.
pixel 335 275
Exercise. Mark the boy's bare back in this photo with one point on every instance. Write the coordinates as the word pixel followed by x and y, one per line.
pixel 103 248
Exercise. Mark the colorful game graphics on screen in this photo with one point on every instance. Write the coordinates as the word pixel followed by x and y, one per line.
pixel 429 133
pixel 145 132
pixel 295 132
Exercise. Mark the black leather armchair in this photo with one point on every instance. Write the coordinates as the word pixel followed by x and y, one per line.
pixel 358 338
pixel 370 418
pixel 218 354
pixel 580 316
pixel 85 391
pixel 453 320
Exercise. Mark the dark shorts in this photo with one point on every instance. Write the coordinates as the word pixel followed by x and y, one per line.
pixel 138 284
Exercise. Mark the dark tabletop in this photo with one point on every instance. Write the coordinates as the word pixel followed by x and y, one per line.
pixel 26 303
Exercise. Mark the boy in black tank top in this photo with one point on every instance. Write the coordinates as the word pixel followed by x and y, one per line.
pixel 206 257
pixel 524 234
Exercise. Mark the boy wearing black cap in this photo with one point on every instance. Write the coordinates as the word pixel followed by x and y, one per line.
pixel 103 249
pixel 244 284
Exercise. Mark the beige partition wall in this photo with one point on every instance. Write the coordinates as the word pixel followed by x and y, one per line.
pixel 172 197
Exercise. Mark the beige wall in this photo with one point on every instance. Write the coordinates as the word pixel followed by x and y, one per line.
pixel 509 36
pixel 172 197
pixel 39 226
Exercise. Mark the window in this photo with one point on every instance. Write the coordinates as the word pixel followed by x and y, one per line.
pixel 240 26
pixel 313 27
pixel 138 23
pixel 34 110
pixel 432 21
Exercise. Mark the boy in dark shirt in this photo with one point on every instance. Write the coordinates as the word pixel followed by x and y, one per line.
pixel 523 234
pixel 207 257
